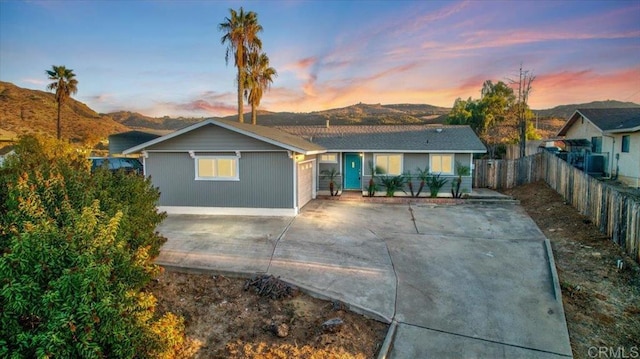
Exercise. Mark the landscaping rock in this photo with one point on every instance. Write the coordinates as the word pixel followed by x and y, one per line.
pixel 333 325
pixel 280 330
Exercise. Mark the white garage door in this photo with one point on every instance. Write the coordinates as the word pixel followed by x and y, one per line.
pixel 305 183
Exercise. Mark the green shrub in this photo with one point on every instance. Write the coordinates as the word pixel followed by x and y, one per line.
pixel 435 183
pixel 393 184
pixel 76 249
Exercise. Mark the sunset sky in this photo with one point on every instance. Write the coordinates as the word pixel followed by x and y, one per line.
pixel 165 57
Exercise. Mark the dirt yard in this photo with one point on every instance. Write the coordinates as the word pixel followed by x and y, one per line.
pixel 223 320
pixel 601 302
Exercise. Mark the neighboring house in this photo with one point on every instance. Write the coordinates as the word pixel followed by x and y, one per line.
pixel 122 141
pixel 609 137
pixel 224 167
pixel 397 149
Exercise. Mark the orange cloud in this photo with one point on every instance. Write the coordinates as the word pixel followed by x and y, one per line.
pixel 585 85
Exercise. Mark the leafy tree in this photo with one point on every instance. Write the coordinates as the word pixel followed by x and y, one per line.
pixel 64 84
pixel 241 36
pixel 76 249
pixel 494 117
pixel 258 78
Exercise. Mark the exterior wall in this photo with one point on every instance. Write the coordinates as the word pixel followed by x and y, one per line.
pixel 117 144
pixel 413 160
pixel 584 129
pixel 628 165
pixel 266 181
pixel 213 138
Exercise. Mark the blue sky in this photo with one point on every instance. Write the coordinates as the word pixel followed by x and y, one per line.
pixel 165 57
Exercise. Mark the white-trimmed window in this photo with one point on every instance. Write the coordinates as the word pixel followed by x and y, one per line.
pixel 217 168
pixel 329 158
pixel 442 163
pixel 390 163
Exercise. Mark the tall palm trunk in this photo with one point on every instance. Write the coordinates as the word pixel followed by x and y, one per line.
pixel 254 114
pixel 240 63
pixel 58 125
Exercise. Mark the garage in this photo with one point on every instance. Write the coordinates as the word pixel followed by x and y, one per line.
pixel 305 182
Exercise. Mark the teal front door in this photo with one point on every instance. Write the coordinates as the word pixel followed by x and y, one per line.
pixel 352 171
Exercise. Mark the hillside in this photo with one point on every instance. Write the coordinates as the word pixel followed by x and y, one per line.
pixel 139 121
pixel 25 111
pixel 358 114
pixel 565 111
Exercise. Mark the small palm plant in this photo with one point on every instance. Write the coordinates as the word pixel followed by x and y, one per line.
pixel 435 183
pixel 331 174
pixel 393 184
pixel 423 175
pixel 455 184
pixel 373 186
pixel 409 179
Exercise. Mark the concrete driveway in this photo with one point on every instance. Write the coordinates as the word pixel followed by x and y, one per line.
pixel 455 280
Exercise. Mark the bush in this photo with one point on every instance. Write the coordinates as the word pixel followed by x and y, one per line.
pixel 76 250
pixel 435 183
pixel 393 184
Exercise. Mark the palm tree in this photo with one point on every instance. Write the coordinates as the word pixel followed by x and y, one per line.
pixel 65 84
pixel 241 36
pixel 258 78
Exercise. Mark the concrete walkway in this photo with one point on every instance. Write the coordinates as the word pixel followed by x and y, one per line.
pixel 454 280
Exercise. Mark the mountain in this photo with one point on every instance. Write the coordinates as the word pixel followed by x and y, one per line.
pixel 139 121
pixel 565 111
pixel 25 111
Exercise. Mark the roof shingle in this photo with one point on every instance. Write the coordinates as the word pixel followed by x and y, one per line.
pixel 393 138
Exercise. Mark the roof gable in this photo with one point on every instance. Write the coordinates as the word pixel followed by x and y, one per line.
pixel 608 120
pixel 265 134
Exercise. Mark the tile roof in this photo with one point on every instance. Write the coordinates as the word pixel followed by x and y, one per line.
pixel 607 119
pixel 392 138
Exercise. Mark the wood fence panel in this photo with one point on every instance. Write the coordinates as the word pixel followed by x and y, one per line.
pixel 615 213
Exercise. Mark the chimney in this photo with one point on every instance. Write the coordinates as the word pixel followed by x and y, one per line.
pixel 327 123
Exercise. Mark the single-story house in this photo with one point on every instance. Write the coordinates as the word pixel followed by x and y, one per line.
pixel 226 167
pixel 607 137
pixel 397 149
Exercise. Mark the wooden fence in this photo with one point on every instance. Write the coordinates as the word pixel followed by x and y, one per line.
pixel 616 213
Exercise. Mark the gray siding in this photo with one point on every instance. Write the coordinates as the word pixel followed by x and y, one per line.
pixel 121 142
pixel 266 181
pixel 213 138
pixel 413 160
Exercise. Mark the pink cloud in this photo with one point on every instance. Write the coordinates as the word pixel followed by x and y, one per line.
pixel 585 86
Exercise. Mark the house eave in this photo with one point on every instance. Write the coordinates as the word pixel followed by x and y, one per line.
pixel 403 151
pixel 623 130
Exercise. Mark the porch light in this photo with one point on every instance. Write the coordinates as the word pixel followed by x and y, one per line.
pixel 299 158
